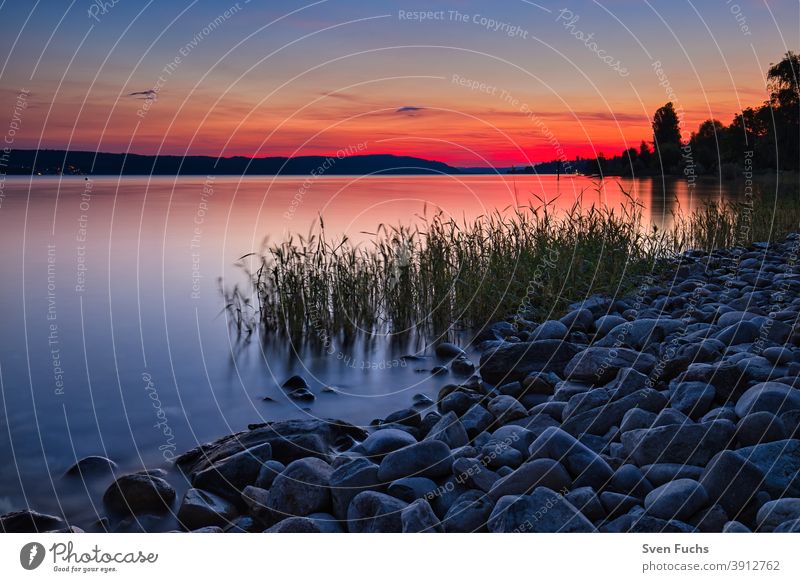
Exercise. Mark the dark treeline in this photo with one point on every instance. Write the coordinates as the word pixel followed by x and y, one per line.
pixel 764 138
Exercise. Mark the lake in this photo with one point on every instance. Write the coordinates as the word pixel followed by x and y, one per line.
pixel 112 339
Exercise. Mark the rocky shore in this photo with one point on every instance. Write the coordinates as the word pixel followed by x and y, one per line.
pixel 673 409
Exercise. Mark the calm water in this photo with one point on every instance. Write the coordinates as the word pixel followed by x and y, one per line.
pixel 112 341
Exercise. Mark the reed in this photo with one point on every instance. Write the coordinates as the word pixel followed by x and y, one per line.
pixel 442 275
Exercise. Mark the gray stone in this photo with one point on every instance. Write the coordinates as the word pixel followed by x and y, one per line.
pixel 29 521
pixel 510 362
pixel 601 364
pixel 409 489
pixel 229 476
pixel 294 525
pixel 598 421
pixel 474 473
pixel 543 511
pixel 506 408
pixel 771 397
pixel 735 527
pixel 759 427
pixel 732 481
pixel 617 504
pixel 266 475
pixel 200 509
pixel 630 480
pixel 418 517
pixel 469 513
pixel 738 333
pixel 636 418
pixel 326 523
pixel 476 420
pixel 350 479
pixel 425 459
pixel 774 513
pixel 405 416
pixel 91 466
pixel 450 431
pixel 586 501
pixel 139 493
pixel 550 330
pixel 539 473
pixel 606 323
pixel 779 355
pixel 583 464
pixel 693 398
pixel 449 350
pixel 303 488
pixel 578 320
pixel 780 462
pixel 384 441
pixel 679 499
pixel 373 512
pixel 692 444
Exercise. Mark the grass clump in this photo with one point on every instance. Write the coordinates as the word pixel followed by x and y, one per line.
pixel 444 275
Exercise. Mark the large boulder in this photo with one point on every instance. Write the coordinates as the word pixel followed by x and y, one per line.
pixel 691 444
pixel 350 479
pixel 418 517
pixel 539 473
pixel 780 462
pixel 303 488
pixel 693 398
pixel 294 525
pixel 640 333
pixel 774 513
pixel 200 509
pixel 290 440
pixel 771 397
pixel 449 430
pixel 426 459
pixel 732 481
pixel 139 493
pixel 679 499
pixel 599 420
pixel 384 441
pixel 229 476
pixel 373 512
pixel 584 465
pixel 29 521
pixel 599 364
pixel 469 513
pixel 543 511
pixel 514 361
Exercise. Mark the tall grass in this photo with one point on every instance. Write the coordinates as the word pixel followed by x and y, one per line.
pixel 443 275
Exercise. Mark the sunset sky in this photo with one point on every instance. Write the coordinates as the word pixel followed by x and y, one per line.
pixel 294 78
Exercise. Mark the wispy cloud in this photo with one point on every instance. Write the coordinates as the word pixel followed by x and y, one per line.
pixel 149 94
pixel 410 110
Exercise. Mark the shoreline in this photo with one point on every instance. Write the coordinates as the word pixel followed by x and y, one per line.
pixel 675 408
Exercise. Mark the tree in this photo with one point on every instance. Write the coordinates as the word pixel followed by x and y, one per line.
pixel 667 137
pixel 706 147
pixel 782 80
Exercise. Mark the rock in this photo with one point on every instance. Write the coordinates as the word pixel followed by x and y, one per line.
pixel 418 517
pixel 544 511
pixel 426 459
pixel 302 395
pixel 578 320
pixel 476 420
pixel 779 355
pixel 350 479
pixel 774 513
pixel 458 402
pixel 617 504
pixel 290 440
pixel 295 383
pixel 670 416
pixel 692 444
pixel 139 493
pixel 583 464
pixel 497 454
pixel 510 362
pixel 326 523
pixel 780 462
pixel 303 488
pixel 693 398
pixel 642 523
pixel 539 473
pixel 710 520
pixel 294 525
pixel 679 499
pixel 551 330
pixel 606 323
pixel 738 333
pixel 384 441
pixel 585 401
pixel 256 501
pixel 506 408
pixel 409 489
pixel 200 509
pixel 474 473
pixel 601 364
pixel 791 526
pixel 725 377
pixel 629 480
pixel 732 482
pixel 587 502
pixel 407 416
pixel 735 527
pixel 266 475
pixel 636 418
pixel 91 466
pixel 449 350
pixel 469 513
pixel 598 421
pixel 462 366
pixel 759 427
pixel 229 476
pixel 771 397
pixel 450 431
pixel 640 333
pixel 373 512
pixel 29 521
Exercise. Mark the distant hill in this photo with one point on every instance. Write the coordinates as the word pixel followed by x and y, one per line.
pixel 27 162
